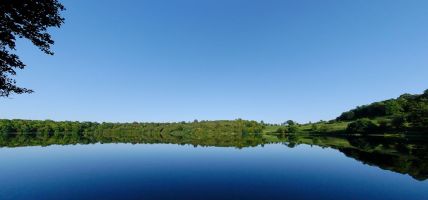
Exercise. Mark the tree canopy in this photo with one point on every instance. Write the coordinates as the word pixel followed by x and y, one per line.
pixel 202 127
pixel 405 113
pixel 28 19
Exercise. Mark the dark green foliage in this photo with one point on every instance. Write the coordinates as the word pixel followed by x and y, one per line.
pixel 202 127
pixel 369 111
pixel 287 129
pixel 207 139
pixel 404 104
pixel 362 126
pixel 346 116
pixel 384 125
pixel 292 128
pixel 28 19
pixel 406 113
pixel 393 107
pixel 419 117
pixel 291 122
pixel 315 127
pixel 281 130
pixel 398 122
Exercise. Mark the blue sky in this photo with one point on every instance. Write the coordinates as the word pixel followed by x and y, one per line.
pixel 179 60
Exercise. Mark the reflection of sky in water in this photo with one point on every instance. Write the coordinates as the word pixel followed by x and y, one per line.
pixel 173 171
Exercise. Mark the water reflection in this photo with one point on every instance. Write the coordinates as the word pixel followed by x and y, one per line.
pixel 405 155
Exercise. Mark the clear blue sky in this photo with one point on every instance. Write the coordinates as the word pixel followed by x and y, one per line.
pixel 271 60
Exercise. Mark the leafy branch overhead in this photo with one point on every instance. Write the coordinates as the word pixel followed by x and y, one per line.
pixel 28 19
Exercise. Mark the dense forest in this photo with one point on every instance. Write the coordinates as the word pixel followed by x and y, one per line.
pixel 405 113
pixel 404 153
pixel 197 127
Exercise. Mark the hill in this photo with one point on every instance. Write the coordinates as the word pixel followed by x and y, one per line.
pixel 404 115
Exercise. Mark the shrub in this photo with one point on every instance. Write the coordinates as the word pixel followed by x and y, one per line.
pixel 346 116
pixel 362 126
pixel 281 130
pixel 383 125
pixel 398 122
pixel 314 127
pixel 292 128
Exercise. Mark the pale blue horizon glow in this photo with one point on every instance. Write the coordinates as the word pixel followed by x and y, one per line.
pixel 165 60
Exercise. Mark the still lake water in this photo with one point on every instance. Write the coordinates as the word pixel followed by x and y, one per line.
pixel 171 171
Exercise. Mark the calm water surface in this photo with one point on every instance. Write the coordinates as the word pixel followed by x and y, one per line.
pixel 171 171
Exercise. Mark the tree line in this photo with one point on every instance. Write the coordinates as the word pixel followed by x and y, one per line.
pixel 202 127
pixel 405 113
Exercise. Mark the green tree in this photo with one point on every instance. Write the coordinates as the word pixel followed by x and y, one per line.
pixel 419 116
pixel 393 107
pixel 399 122
pixel 346 116
pixel 281 130
pixel 314 127
pixel 292 128
pixel 425 93
pixel 364 126
pixel 290 122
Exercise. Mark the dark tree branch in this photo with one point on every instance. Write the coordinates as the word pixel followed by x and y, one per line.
pixel 28 19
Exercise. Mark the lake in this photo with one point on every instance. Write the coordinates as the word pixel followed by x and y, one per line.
pixel 245 167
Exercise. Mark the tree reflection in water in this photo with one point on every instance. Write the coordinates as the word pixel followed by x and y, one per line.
pixel 402 154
